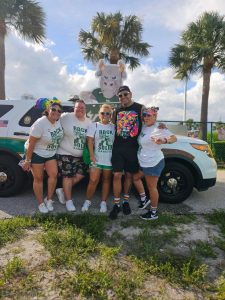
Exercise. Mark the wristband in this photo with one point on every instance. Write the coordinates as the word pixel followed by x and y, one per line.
pixel 28 160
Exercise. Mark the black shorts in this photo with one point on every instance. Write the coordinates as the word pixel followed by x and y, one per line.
pixel 37 159
pixel 125 159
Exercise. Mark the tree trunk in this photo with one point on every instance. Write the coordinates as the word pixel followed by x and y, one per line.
pixel 114 56
pixel 205 99
pixel 2 59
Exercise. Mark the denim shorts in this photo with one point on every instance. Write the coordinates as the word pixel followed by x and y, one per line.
pixel 154 171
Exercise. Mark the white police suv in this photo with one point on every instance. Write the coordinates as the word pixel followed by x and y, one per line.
pixel 189 161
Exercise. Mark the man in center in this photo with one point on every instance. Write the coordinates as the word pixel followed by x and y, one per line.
pixel 128 123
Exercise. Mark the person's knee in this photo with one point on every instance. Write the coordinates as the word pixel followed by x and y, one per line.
pixel 93 181
pixel 53 175
pixel 117 176
pixel 38 179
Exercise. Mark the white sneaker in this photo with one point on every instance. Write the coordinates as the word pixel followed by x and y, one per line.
pixel 103 207
pixel 70 206
pixel 60 195
pixel 42 208
pixel 48 204
pixel 86 205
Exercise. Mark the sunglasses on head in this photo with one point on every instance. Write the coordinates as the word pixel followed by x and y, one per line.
pixel 123 94
pixel 55 109
pixel 104 113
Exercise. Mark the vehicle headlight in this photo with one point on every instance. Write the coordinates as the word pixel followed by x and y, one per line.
pixel 204 148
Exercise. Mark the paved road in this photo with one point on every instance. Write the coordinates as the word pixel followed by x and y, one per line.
pixel 198 202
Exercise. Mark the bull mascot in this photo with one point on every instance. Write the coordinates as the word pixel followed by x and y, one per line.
pixel 111 77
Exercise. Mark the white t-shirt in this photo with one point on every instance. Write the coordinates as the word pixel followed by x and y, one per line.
pixel 49 136
pixel 103 141
pixel 149 153
pixel 74 137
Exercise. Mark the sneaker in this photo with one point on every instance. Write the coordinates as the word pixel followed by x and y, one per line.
pixel 48 204
pixel 42 208
pixel 126 208
pixel 150 215
pixel 103 207
pixel 70 206
pixel 60 195
pixel 144 204
pixel 86 205
pixel 114 212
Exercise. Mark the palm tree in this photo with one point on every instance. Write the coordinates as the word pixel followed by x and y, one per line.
pixel 114 37
pixel 202 49
pixel 27 18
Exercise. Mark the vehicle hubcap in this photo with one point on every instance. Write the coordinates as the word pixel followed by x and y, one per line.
pixel 172 183
pixel 3 177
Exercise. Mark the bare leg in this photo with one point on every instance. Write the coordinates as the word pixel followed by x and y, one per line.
pixel 93 182
pixel 52 170
pixel 106 182
pixel 127 183
pixel 153 191
pixel 138 182
pixel 77 178
pixel 67 187
pixel 38 171
pixel 117 185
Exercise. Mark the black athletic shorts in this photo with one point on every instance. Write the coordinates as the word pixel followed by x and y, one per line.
pixel 125 159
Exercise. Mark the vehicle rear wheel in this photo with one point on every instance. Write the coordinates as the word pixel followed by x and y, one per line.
pixel 11 176
pixel 175 183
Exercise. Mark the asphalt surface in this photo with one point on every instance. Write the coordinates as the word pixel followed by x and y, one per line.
pixel 198 202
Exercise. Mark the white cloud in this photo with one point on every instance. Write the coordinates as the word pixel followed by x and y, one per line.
pixel 40 74
pixel 176 14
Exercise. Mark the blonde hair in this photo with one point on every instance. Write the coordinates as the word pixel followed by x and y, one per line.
pixel 106 106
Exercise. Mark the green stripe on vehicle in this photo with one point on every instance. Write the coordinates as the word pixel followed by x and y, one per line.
pixel 15 145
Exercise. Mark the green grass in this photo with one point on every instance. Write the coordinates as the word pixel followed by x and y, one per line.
pixel 88 263
pixel 202 248
pixel 167 219
pixel 13 229
pixel 15 280
pixel 217 218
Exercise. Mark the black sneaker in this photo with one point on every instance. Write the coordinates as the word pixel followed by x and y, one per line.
pixel 126 208
pixel 144 204
pixel 150 215
pixel 114 212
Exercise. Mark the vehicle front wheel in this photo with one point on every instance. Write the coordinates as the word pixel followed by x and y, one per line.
pixel 11 176
pixel 175 183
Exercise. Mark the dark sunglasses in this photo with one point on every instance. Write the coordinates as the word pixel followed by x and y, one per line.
pixel 123 94
pixel 103 113
pixel 145 114
pixel 55 109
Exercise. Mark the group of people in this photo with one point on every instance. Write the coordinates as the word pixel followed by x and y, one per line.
pixel 125 141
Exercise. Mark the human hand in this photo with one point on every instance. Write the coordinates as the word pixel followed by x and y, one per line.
pixel 25 165
pixel 162 126
pixel 158 141
pixel 93 159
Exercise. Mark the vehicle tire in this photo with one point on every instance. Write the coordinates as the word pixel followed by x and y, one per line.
pixel 175 183
pixel 11 176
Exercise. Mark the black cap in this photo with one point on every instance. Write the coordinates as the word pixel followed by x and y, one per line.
pixel 123 88
pixel 74 98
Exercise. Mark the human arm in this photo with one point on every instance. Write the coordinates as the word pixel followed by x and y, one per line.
pixel 31 144
pixel 90 144
pixel 167 140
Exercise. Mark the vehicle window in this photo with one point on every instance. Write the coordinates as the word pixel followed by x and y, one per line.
pixel 4 109
pixel 30 117
pixel 67 108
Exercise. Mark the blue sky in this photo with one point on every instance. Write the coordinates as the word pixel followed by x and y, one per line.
pixel 57 68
